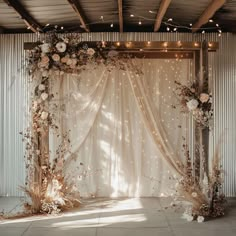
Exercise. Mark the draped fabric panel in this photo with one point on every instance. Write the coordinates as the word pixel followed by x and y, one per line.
pixel 119 145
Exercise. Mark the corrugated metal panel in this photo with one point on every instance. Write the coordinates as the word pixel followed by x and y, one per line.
pixel 222 69
pixel 9 18
pixel 13 102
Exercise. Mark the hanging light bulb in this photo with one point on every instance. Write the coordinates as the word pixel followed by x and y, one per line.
pixel 203 32
pixel 175 29
pixel 217 25
pixel 140 22
pixel 210 20
pixel 170 19
pixel 111 25
pixel 167 28
pixel 131 15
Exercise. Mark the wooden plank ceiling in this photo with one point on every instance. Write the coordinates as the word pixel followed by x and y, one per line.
pixel 18 16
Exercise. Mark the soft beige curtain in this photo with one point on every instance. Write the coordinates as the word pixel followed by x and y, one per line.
pixel 125 133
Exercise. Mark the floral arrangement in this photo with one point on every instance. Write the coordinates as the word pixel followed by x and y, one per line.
pixel 68 54
pixel 199 104
pixel 206 197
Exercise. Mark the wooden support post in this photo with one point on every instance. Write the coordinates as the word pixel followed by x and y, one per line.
pixel 201 133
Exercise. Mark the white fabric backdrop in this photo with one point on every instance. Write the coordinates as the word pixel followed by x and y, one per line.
pixel 108 134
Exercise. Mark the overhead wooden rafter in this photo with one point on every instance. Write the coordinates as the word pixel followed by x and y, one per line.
pixel 31 23
pixel 120 8
pixel 160 13
pixel 79 11
pixel 208 13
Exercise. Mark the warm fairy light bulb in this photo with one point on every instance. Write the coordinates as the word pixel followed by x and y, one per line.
pixel 217 25
pixel 210 20
pixel 165 44
pixel 190 24
pixel 170 19
pixel 220 31
pixel 149 43
pixel 210 44
pixel 111 25
pixel 140 22
pixel 118 44
pixel 131 15
pixel 168 29
pixel 62 27
pixel 175 29
pixel 47 25
pixel 203 32
pixel 196 44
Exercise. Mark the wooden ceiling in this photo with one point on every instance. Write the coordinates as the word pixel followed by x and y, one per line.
pixel 20 16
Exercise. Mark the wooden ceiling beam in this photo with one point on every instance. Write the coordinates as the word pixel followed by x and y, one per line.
pixel 31 23
pixel 120 9
pixel 79 11
pixel 208 13
pixel 160 13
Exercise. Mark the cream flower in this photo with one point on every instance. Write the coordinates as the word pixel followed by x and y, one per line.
pixel 56 57
pixel 204 97
pixel 90 51
pixel 200 219
pixel 64 59
pixel 45 73
pixel 74 61
pixel 61 47
pixel 41 87
pixel 69 62
pixel 44 115
pixel 44 96
pixel 45 47
pixel 189 218
pixel 192 104
pixel 194 194
pixel 44 59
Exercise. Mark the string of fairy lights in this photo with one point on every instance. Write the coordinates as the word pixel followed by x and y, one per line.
pixel 169 24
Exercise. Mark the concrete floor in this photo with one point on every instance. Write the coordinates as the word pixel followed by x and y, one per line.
pixel 117 217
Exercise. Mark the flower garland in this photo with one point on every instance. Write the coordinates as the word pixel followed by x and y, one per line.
pixel 198 104
pixel 206 197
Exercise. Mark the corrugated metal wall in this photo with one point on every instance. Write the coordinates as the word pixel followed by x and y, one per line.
pixel 13 99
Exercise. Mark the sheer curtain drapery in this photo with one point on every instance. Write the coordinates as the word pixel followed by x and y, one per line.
pixel 124 130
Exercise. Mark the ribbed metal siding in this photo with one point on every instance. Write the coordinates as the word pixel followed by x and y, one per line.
pixel 13 102
pixel 223 72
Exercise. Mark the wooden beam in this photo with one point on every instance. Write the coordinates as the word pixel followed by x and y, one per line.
pixel 160 14
pixel 1 30
pixel 79 11
pixel 145 46
pixel 120 8
pixel 208 13
pixel 31 23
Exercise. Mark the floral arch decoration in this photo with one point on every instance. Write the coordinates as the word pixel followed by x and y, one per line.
pixel 46 185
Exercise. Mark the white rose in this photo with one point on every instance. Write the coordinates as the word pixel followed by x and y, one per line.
pixel 45 47
pixel 56 57
pixel 61 47
pixel 204 97
pixel 90 51
pixel 44 96
pixel 189 218
pixel 200 219
pixel 44 115
pixel 192 104
pixel 41 87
